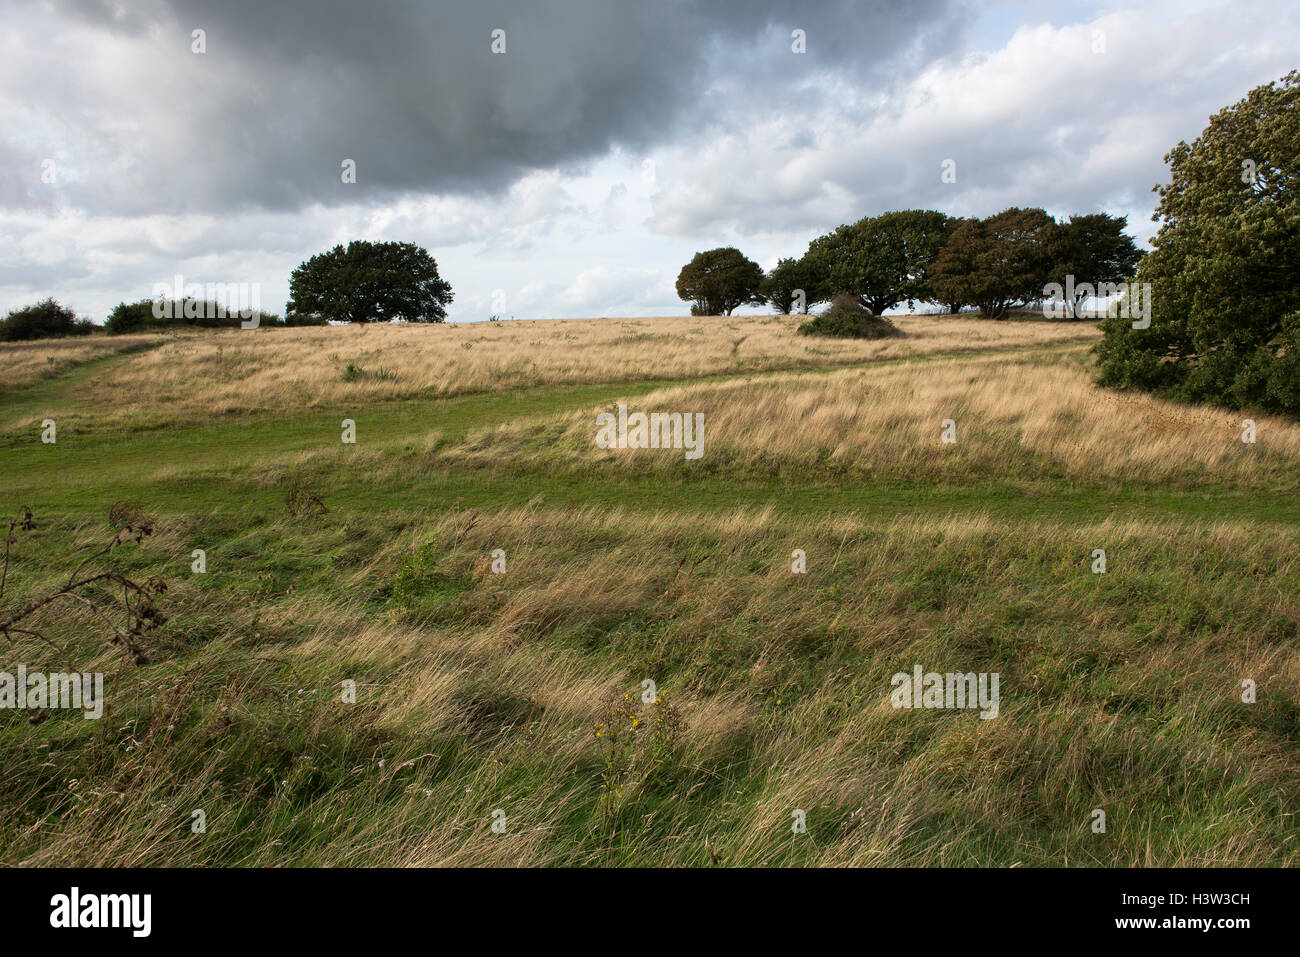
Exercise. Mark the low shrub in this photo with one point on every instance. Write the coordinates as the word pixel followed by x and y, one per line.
pixel 848 319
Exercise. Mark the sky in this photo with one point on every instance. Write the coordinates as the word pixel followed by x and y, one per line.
pixel 569 165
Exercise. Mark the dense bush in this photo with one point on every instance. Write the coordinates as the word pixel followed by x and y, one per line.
pixel 302 319
pixel 1225 298
pixel 188 313
pixel 847 318
pixel 42 320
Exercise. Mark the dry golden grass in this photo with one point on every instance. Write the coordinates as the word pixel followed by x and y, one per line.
pixel 1013 416
pixel 22 363
pixel 237 370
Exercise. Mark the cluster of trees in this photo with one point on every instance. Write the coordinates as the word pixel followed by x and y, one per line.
pixel 42 320
pixel 50 320
pixel 1225 265
pixel 922 255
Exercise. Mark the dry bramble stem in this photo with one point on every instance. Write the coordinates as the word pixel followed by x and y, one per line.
pixel 136 606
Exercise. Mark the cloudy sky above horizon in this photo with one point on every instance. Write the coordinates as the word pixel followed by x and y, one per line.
pixel 574 173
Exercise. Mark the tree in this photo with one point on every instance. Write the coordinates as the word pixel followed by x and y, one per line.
pixel 43 320
pixel 1224 300
pixel 952 303
pixel 785 281
pixel 718 281
pixel 995 263
pixel 370 282
pixel 883 260
pixel 1094 250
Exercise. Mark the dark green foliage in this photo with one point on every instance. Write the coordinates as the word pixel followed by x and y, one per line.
pixel 783 282
pixel 304 319
pixel 370 282
pixel 42 320
pixel 995 263
pixel 1095 250
pixel 719 280
pixel 1225 298
pixel 883 260
pixel 151 314
pixel 847 319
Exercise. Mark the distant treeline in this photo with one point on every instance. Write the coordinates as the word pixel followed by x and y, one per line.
pixel 48 319
pixel 153 314
pixel 922 255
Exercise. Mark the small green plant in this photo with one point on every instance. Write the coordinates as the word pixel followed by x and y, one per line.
pixel 355 373
pixel 421 586
pixel 637 739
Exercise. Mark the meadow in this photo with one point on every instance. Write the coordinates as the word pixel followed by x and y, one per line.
pixel 496 589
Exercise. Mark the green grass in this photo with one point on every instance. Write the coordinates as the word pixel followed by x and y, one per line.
pixel 478 691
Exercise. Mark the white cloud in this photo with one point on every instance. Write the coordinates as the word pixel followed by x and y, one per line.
pixel 1043 121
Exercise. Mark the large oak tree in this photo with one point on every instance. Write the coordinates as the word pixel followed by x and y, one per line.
pixel 370 282
pixel 719 280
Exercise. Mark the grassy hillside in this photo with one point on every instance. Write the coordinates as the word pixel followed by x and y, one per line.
pixel 521 692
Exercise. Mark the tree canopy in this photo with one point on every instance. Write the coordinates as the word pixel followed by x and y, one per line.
pixel 719 280
pixel 1225 301
pixel 785 281
pixel 146 314
pixel 370 282
pixel 1094 250
pixel 43 320
pixel 883 260
pixel 995 263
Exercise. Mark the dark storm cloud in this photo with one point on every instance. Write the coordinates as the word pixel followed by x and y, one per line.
pixel 413 94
